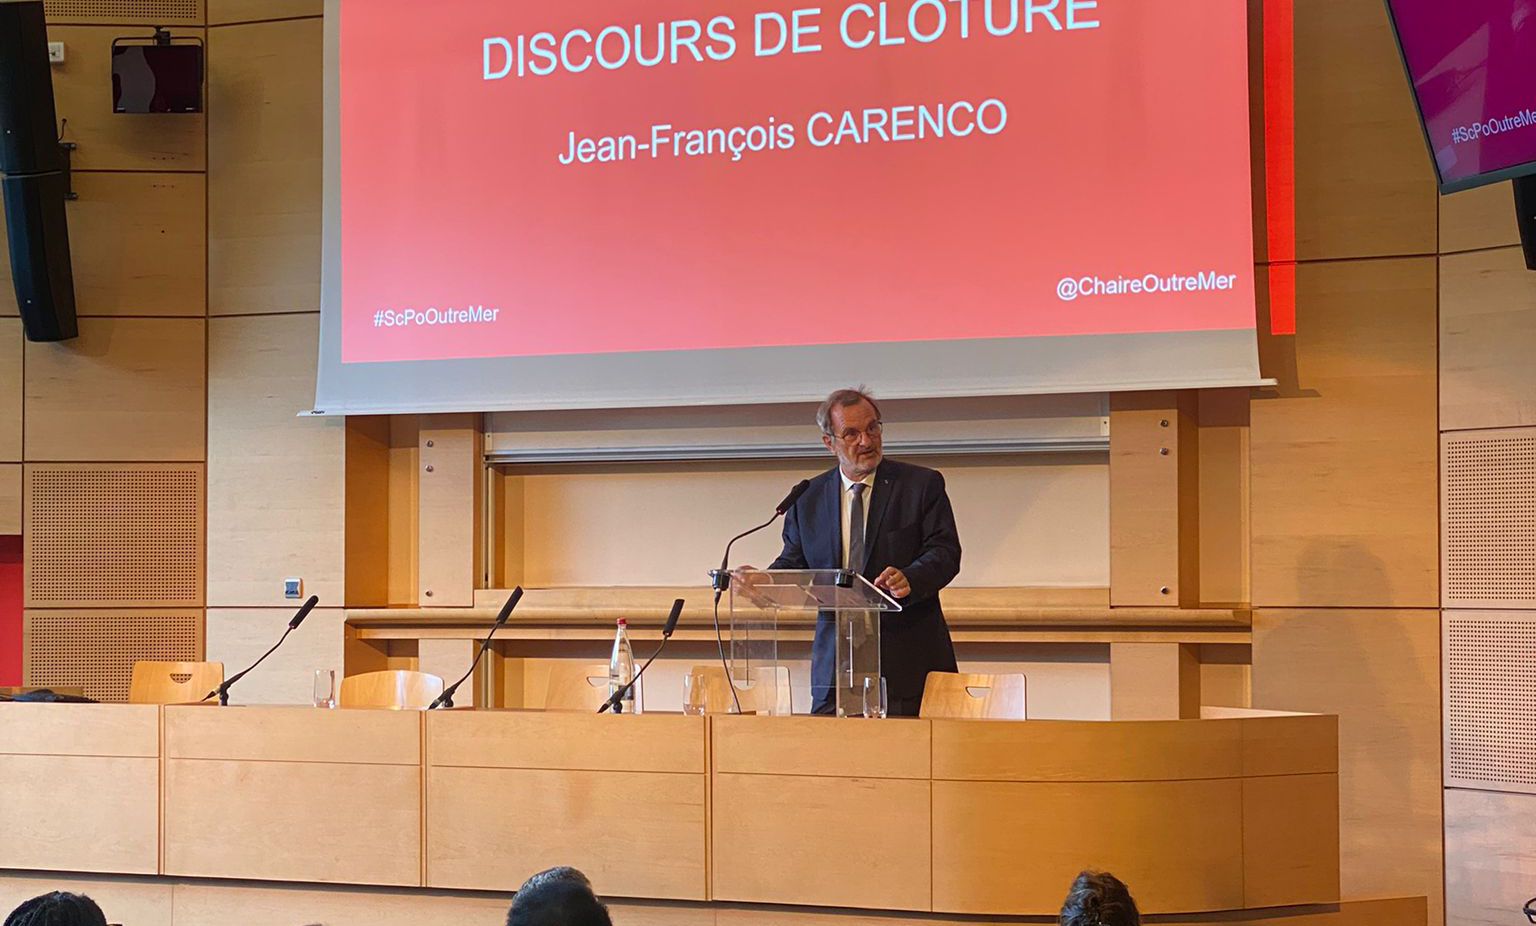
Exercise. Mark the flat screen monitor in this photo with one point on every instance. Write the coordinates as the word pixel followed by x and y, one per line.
pixel 1472 66
pixel 157 78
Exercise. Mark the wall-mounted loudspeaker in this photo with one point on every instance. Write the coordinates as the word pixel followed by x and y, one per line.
pixel 34 178
pixel 1525 216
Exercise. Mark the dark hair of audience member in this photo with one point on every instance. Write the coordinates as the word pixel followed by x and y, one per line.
pixel 557 897
pixel 1098 898
pixel 57 909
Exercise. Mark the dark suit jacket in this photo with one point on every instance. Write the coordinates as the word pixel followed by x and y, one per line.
pixel 910 526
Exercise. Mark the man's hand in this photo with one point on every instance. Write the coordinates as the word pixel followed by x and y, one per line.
pixel 894 582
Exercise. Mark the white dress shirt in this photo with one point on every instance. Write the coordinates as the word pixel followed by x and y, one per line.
pixel 847 509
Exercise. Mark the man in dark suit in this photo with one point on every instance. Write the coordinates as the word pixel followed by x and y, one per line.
pixel 891 522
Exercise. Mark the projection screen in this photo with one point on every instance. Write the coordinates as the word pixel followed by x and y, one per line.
pixel 686 202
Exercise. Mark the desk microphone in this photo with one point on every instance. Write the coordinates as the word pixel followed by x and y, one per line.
pixel 222 692
pixel 446 698
pixel 622 692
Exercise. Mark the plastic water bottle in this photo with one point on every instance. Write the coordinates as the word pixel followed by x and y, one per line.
pixel 621 668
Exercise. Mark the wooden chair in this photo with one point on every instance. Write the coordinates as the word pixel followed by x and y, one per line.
pixel 710 692
pixel 393 689
pixel 173 682
pixel 959 695
pixel 575 686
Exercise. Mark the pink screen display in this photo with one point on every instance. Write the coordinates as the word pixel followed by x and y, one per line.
pixel 1473 67
pixel 524 179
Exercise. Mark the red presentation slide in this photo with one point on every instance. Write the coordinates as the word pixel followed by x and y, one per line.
pixel 523 179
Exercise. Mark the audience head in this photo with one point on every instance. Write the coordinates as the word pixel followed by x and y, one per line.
pixel 557 897
pixel 57 909
pixel 1098 898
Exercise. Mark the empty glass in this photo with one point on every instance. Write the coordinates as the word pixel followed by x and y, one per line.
pixel 694 695
pixel 325 688
pixel 875 703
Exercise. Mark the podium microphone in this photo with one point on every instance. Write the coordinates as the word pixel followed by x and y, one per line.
pixel 720 578
pixel 446 698
pixel 222 692
pixel 622 692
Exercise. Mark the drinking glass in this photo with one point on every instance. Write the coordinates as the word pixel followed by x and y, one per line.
pixel 325 688
pixel 875 702
pixel 694 694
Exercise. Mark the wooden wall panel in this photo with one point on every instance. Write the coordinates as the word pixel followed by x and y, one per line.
pixel 1364 183
pixel 1224 490
pixel 613 526
pixel 238 636
pixel 1487 340
pixel 1344 453
pixel 1153 499
pixel 137 243
pixel 1379 671
pixel 10 498
pixel 1490 857
pixel 365 531
pixel 275 481
pixel 1479 218
pixel 114 141
pixel 104 535
pixel 223 12
pixel 450 480
pixel 404 508
pixel 164 12
pixel 94 650
pixel 10 386
pixel 264 137
pixel 126 389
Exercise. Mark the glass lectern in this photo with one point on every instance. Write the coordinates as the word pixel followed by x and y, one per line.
pixel 838 596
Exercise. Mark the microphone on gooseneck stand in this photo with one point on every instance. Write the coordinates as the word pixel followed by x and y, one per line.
pixel 222 692
pixel 721 578
pixel 615 700
pixel 446 698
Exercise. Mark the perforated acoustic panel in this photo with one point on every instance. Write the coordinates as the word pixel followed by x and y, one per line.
pixel 125 535
pixel 96 650
pixel 1490 700
pixel 149 12
pixel 1488 532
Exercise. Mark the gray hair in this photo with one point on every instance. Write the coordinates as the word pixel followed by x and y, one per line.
pixel 843 398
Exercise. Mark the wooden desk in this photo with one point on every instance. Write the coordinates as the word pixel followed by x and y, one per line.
pixel 82 787
pixel 293 794
pixel 717 815
pixel 622 798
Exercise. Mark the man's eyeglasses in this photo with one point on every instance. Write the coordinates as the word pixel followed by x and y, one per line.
pixel 852 435
pixel 1530 909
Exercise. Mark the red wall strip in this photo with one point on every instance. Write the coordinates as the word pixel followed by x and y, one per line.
pixel 10 610
pixel 1280 161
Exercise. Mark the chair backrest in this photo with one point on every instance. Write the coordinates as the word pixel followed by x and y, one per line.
pixel 964 695
pixel 395 689
pixel 173 682
pixel 576 686
pixel 766 691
